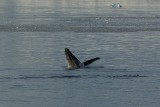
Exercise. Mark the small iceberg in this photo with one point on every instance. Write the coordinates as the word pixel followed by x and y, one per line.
pixel 116 5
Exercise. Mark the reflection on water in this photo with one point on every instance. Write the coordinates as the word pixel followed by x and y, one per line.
pixel 77 16
pixel 51 8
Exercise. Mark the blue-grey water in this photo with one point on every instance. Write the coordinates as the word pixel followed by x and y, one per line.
pixel 34 33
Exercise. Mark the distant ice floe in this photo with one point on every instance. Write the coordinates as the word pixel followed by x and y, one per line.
pixel 116 5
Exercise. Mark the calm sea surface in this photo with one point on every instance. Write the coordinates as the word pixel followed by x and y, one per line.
pixel 33 35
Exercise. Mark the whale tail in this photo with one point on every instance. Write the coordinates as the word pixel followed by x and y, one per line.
pixel 88 62
pixel 74 63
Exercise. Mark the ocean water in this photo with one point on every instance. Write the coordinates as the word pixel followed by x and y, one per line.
pixel 33 35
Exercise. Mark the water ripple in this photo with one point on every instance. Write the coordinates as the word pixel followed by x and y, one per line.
pixel 127 76
pixel 62 28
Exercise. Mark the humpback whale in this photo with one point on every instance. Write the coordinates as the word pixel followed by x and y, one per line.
pixel 74 63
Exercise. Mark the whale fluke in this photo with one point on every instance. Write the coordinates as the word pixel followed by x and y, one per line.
pixel 74 63
pixel 88 62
